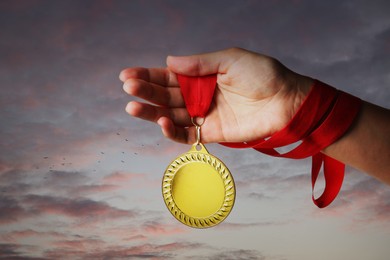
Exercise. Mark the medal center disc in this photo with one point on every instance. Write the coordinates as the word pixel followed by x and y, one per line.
pixel 198 190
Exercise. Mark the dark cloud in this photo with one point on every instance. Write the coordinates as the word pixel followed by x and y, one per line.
pixel 146 251
pixel 83 209
pixel 11 210
pixel 240 254
pixel 17 251
pixel 77 208
pixel 259 196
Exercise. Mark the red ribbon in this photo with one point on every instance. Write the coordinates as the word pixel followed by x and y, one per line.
pixel 198 93
pixel 325 115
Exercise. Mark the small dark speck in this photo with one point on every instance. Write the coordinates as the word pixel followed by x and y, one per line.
pixel 45 157
pixel 135 153
pixel 118 134
pixel 122 161
pixel 62 163
pixel 142 145
pixel 98 161
pixel 158 144
pixel 102 152
pixel 123 152
pixel 63 158
pixel 127 140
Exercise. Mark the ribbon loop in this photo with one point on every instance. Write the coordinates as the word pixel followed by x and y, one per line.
pixel 198 93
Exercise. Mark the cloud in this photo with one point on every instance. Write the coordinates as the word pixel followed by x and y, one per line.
pixel 57 178
pixel 121 177
pixel 79 244
pixel 148 251
pixel 17 235
pixel 240 254
pixel 11 210
pixel 238 226
pixel 259 196
pixel 364 202
pixel 76 208
pixel 93 189
pixel 157 228
pixel 17 251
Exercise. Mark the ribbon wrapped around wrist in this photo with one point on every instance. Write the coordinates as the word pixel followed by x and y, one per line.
pixel 324 116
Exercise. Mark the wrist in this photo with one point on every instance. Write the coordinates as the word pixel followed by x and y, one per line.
pixel 299 87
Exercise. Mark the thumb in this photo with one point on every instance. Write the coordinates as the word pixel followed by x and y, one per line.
pixel 202 64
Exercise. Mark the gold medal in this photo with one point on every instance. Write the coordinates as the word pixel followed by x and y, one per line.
pixel 198 188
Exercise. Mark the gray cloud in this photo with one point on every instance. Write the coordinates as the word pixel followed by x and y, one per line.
pixel 11 210
pixel 238 254
pixel 17 251
pixel 79 208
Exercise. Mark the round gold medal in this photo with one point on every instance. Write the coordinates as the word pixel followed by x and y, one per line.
pixel 198 188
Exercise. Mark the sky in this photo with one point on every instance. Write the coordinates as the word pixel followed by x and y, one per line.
pixel 81 179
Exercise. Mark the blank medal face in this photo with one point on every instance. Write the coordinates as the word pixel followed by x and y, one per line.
pixel 198 189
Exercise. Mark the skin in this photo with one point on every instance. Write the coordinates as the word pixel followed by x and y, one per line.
pixel 255 97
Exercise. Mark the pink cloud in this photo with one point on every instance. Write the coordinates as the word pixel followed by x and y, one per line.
pixel 156 228
pixel 15 236
pixel 79 249
pixel 365 202
pixel 127 179
pixel 121 177
pixel 136 237
pixel 79 244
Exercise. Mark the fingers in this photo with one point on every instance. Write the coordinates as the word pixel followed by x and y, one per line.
pixel 204 64
pixel 170 97
pixel 159 76
pixel 177 134
pixel 179 116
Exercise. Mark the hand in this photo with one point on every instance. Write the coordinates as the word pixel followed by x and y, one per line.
pixel 255 96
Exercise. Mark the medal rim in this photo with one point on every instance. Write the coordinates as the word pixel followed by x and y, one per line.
pixel 199 156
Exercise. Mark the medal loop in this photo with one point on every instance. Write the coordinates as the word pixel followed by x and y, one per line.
pixel 197 122
pixel 197 135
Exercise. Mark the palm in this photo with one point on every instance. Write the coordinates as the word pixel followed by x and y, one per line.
pixel 250 107
pixel 235 117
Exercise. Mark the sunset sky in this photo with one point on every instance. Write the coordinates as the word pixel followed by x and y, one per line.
pixel 81 179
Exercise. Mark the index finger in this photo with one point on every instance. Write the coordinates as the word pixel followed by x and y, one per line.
pixel 159 76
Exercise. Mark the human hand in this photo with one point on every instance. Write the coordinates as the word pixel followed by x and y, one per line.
pixel 255 97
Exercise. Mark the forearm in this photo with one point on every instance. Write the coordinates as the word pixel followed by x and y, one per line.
pixel 366 145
